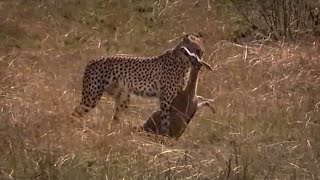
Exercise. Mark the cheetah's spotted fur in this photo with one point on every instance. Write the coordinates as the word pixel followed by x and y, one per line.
pixel 160 76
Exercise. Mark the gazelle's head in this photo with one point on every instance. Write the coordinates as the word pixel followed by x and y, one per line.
pixel 192 47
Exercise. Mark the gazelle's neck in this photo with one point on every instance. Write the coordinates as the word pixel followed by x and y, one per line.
pixel 192 84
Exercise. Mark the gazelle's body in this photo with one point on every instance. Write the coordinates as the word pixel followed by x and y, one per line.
pixel 182 108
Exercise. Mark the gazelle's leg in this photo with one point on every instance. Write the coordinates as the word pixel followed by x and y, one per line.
pixel 200 98
pixel 205 102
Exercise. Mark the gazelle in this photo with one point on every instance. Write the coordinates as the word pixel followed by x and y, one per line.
pixel 184 105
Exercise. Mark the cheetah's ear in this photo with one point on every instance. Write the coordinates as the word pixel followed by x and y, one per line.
pixel 185 37
pixel 184 34
pixel 200 35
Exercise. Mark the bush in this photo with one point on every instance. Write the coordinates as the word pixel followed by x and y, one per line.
pixel 289 19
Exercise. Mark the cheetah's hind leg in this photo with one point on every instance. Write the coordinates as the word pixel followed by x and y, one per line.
pixel 92 91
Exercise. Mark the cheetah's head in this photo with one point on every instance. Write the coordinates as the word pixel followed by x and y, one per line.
pixel 192 47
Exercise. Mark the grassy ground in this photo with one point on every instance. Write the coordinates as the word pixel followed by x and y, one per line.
pixel 267 96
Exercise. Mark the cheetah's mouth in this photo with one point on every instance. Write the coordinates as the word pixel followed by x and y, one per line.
pixel 195 59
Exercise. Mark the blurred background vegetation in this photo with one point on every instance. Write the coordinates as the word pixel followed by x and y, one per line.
pixel 265 85
pixel 285 19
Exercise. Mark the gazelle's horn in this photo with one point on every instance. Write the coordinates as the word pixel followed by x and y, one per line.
pixel 195 60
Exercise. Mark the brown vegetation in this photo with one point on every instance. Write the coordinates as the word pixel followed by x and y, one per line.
pixel 266 95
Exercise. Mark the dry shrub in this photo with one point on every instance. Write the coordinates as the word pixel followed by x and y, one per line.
pixel 286 19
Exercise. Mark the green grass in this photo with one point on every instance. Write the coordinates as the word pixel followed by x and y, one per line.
pixel 267 97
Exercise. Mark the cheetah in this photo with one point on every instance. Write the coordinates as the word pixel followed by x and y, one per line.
pixel 162 76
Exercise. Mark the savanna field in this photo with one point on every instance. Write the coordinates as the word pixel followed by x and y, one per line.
pixel 267 95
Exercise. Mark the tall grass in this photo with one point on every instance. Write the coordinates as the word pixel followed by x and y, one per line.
pixel 267 97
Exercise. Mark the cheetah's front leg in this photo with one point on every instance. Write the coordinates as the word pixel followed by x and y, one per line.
pixel 122 100
pixel 164 117
pixel 165 98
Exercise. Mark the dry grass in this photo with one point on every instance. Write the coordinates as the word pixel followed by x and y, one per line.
pixel 267 97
